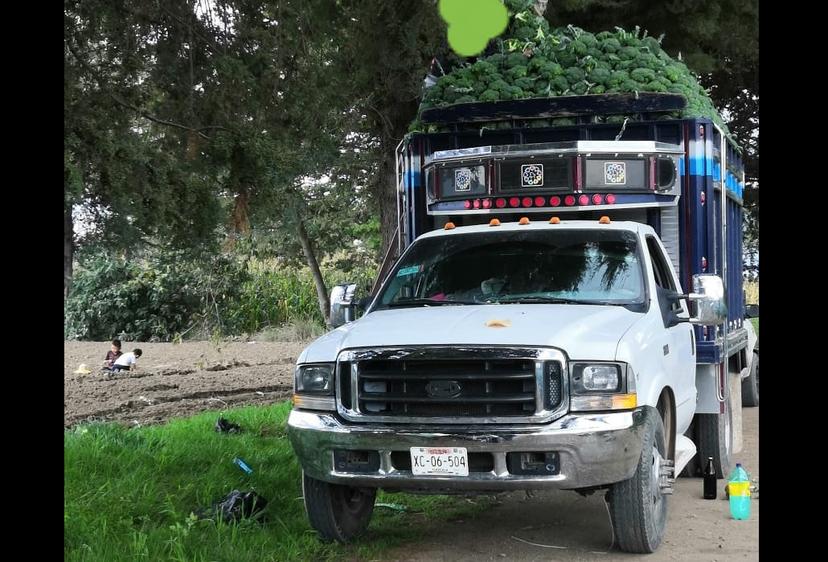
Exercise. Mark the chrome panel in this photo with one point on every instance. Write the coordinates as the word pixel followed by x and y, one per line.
pixel 539 355
pixel 574 147
pixel 595 449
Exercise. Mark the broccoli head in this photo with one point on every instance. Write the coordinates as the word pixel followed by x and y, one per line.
pixel 628 53
pixel 517 72
pixel 651 44
pixel 611 45
pixel 599 75
pixel 655 86
pixel 579 47
pixel 525 83
pixel 574 74
pixel 643 75
pixel 489 95
pixel 515 59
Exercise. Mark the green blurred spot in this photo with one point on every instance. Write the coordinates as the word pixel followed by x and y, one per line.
pixel 471 23
pixel 453 10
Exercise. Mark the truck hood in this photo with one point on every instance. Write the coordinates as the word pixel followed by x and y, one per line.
pixel 587 332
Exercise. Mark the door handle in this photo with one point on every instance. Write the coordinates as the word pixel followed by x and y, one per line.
pixel 666 350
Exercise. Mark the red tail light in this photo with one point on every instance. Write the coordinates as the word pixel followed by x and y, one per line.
pixel 554 200
pixel 527 202
pixel 514 202
pixel 476 203
pixel 597 199
pixel 500 202
pixel 583 200
pixel 487 203
pixel 569 200
pixel 540 201
pixel 610 199
pixel 467 204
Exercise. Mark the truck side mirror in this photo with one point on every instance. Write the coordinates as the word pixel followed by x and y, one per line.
pixel 708 294
pixel 343 307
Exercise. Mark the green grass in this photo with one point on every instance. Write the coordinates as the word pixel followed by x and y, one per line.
pixel 129 494
pixel 755 325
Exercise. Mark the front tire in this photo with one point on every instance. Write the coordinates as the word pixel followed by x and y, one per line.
pixel 638 507
pixel 338 513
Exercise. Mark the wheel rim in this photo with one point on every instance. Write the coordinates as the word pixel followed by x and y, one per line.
pixel 756 374
pixel 353 499
pixel 656 494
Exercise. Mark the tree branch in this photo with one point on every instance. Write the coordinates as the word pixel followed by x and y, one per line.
pixel 143 113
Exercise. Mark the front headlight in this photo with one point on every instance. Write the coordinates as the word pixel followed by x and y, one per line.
pixel 315 379
pixel 602 386
pixel 602 377
pixel 314 385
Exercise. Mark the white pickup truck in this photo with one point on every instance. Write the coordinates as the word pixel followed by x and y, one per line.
pixel 524 355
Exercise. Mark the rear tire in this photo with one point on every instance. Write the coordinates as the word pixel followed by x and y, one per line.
pixel 715 433
pixel 637 507
pixel 338 513
pixel 750 386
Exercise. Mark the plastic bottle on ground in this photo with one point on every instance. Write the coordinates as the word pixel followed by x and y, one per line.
pixel 739 491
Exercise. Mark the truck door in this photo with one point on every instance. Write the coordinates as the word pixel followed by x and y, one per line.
pixel 679 347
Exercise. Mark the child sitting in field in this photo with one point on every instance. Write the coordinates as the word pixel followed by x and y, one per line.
pixel 111 355
pixel 127 361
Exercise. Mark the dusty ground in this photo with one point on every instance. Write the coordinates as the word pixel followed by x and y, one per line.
pixel 573 527
pixel 175 379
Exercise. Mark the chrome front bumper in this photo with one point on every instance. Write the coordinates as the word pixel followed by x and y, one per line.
pixel 594 449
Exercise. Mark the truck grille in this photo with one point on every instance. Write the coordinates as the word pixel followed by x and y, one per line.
pixel 440 385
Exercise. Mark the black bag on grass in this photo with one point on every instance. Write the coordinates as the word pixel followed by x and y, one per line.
pixel 224 426
pixel 236 506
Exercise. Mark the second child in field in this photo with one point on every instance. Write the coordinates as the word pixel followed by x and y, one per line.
pixel 113 354
pixel 127 361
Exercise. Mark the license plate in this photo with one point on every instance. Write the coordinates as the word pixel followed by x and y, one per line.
pixel 439 461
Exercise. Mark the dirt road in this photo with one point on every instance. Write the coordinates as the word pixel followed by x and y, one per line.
pixel 578 528
pixel 176 380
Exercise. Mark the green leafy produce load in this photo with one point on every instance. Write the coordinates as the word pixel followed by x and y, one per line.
pixel 534 61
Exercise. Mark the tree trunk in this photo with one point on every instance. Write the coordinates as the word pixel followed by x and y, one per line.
pixel 321 290
pixel 387 198
pixel 241 209
pixel 239 183
pixel 239 224
pixel 68 249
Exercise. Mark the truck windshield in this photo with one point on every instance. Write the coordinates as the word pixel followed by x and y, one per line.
pixel 549 266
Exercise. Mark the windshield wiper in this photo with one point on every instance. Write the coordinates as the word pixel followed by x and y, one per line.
pixel 553 300
pixel 427 302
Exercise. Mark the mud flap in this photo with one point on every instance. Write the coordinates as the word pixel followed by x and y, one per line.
pixel 685 451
